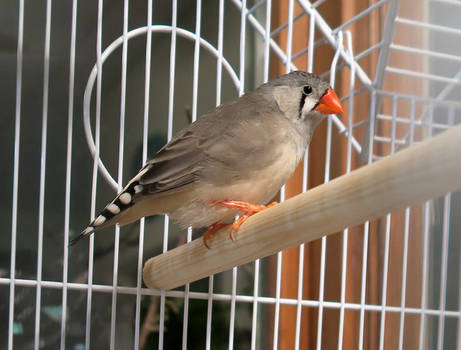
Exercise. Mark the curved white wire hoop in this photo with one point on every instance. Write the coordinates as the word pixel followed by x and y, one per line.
pixel 107 52
pixel 206 45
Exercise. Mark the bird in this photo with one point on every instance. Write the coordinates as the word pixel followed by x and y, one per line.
pixel 231 161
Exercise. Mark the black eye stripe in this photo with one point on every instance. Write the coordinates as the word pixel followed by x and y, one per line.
pixel 301 104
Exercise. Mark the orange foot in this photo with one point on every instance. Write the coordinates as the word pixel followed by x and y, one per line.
pixel 211 231
pixel 248 210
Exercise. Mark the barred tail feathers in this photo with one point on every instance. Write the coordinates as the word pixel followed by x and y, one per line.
pixel 114 212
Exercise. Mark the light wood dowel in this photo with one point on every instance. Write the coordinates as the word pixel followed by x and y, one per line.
pixel 425 171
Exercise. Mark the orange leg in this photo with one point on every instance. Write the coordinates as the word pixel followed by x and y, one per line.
pixel 211 231
pixel 248 210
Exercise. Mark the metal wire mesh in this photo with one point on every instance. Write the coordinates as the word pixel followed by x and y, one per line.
pixel 139 72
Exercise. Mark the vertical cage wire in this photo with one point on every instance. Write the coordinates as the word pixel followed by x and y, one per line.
pixel 70 122
pixel 41 214
pixel 14 205
pixel 119 172
pixel 348 169
pixel 95 172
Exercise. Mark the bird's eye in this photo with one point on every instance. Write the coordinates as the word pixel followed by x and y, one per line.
pixel 307 90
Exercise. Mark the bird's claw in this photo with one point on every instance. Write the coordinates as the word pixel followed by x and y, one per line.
pixel 235 227
pixel 248 210
pixel 211 231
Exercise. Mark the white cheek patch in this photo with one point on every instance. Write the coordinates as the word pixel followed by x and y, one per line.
pixel 309 103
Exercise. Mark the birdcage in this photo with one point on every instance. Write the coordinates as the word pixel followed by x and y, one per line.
pixel 92 88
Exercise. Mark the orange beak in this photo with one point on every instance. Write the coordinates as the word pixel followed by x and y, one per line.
pixel 330 104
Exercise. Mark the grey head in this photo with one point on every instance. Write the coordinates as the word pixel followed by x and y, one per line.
pixel 298 96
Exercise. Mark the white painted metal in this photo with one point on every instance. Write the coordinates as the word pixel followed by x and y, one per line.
pixel 405 242
pixel 121 145
pixel 41 210
pixel 95 173
pixel 310 63
pixel 350 123
pixel 70 121
pixel 14 205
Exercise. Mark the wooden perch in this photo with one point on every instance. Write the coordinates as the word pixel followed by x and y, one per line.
pixel 422 172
